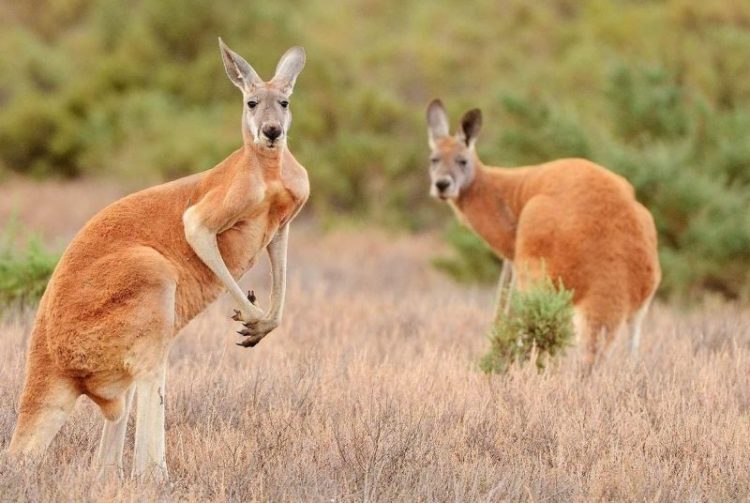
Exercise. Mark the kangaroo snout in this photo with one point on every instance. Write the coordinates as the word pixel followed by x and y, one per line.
pixel 271 131
pixel 442 184
pixel 443 188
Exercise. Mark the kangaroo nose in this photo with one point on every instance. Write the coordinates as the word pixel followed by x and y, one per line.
pixel 442 184
pixel 272 132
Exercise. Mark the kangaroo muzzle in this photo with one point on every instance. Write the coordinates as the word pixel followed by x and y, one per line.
pixel 443 188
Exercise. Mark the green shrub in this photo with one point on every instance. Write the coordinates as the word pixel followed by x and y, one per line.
pixel 540 324
pixel 24 272
pixel 536 132
pixel 647 105
pixel 40 136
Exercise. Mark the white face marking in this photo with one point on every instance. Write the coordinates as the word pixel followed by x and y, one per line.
pixel 267 116
pixel 252 126
pixel 451 170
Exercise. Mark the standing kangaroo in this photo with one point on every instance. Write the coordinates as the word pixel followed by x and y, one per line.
pixel 146 265
pixel 570 219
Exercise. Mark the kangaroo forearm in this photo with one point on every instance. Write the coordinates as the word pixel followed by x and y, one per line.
pixel 204 244
pixel 277 253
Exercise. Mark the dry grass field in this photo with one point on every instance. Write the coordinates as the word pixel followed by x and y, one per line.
pixel 369 392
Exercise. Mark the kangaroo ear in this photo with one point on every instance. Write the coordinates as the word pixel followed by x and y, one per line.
pixel 238 70
pixel 437 122
pixel 289 67
pixel 471 124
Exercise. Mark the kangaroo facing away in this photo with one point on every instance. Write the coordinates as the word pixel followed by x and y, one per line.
pixel 146 265
pixel 570 219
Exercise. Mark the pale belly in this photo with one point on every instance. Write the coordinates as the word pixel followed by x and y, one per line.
pixel 241 244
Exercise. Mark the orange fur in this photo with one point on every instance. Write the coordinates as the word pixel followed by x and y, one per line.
pixel 129 281
pixel 575 221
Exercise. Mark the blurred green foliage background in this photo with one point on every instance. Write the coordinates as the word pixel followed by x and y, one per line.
pixel 658 91
pixel 25 269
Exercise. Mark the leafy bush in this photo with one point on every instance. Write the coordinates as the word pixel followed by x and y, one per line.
pixel 648 105
pixel 24 272
pixel 540 324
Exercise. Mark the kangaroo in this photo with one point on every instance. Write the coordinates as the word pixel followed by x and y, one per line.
pixel 570 219
pixel 147 264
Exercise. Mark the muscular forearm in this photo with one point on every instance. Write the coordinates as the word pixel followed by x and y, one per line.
pixel 277 253
pixel 203 242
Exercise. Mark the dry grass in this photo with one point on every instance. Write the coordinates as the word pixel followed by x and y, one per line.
pixel 369 392
pixel 52 208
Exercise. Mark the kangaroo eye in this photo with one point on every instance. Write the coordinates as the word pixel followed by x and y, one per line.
pixel 284 103
pixel 434 160
pixel 461 162
pixel 252 104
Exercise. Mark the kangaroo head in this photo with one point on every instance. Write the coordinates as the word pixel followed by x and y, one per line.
pixel 452 160
pixel 266 116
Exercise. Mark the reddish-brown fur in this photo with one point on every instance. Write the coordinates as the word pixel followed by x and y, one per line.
pixel 574 220
pixel 129 281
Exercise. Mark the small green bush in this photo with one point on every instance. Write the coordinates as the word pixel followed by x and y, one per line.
pixel 540 323
pixel 24 273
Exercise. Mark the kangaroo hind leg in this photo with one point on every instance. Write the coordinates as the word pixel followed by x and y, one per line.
pixel 149 457
pixel 635 326
pixel 46 402
pixel 111 446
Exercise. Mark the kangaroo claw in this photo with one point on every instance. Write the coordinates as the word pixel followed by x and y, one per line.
pixel 248 343
pixel 251 296
pixel 236 315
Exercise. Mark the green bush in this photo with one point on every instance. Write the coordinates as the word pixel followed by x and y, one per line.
pixel 25 271
pixel 540 324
